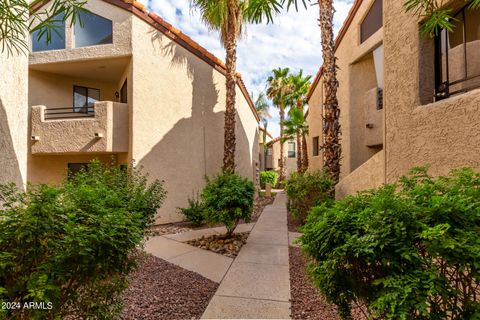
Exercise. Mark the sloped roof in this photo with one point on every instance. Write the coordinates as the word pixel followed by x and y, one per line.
pixel 268 133
pixel 343 30
pixel 174 34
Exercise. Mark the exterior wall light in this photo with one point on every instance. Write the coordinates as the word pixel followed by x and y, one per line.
pixel 35 138
pixel 98 135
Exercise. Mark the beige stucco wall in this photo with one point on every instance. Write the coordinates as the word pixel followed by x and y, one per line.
pixel 444 134
pixel 314 121
pixel 77 135
pixel 13 118
pixel 52 169
pixel 121 46
pixel 290 163
pixel 178 117
pixel 368 176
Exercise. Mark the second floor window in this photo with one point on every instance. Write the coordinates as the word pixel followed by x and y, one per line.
pixel 291 149
pixel 84 99
pixel 316 146
pixel 269 151
pixel 57 40
pixel 94 31
pixel 457 55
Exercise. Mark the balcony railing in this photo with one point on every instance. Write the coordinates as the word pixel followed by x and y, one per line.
pixel 69 113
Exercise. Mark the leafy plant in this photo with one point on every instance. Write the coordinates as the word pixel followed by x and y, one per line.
pixel 228 198
pixel 195 212
pixel 306 190
pixel 268 177
pixel 407 251
pixel 74 245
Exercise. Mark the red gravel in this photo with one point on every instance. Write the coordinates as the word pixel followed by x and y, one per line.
pixel 307 301
pixel 161 290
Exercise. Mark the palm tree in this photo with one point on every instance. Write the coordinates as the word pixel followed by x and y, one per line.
pixel 300 86
pixel 296 126
pixel 262 106
pixel 332 150
pixel 18 18
pixel 278 87
pixel 229 17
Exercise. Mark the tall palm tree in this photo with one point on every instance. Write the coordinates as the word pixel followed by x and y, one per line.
pixel 297 98
pixel 332 150
pixel 262 107
pixel 296 127
pixel 278 87
pixel 229 17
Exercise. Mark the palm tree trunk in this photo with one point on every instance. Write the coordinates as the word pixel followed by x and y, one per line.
pixel 305 154
pixel 282 162
pixel 331 148
pixel 230 113
pixel 265 124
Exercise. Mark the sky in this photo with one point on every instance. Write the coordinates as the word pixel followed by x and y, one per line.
pixel 292 41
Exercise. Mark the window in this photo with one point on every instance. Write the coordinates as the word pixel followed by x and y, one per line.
pixel 123 92
pixel 457 67
pixel 269 151
pixel 291 149
pixel 94 31
pixel 84 99
pixel 58 37
pixel 373 21
pixel 316 146
pixel 74 168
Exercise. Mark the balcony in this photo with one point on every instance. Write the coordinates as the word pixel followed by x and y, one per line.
pixel 103 128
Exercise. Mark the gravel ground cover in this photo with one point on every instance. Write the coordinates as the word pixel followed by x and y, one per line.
pixel 171 228
pixel 219 243
pixel 307 301
pixel 160 290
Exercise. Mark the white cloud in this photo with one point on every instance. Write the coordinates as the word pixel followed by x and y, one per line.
pixel 292 41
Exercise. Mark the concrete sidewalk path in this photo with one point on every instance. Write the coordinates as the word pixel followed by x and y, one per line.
pixel 211 265
pixel 257 285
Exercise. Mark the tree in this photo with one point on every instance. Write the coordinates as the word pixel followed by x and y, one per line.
pixel 262 106
pixel 18 18
pixel 296 127
pixel 297 98
pixel 278 87
pixel 437 16
pixel 228 17
pixel 332 150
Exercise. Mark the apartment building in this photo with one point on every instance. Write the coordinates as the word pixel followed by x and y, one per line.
pixel 289 152
pixel 406 99
pixel 127 86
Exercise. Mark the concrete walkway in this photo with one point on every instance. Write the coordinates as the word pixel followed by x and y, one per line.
pixel 257 285
pixel 211 265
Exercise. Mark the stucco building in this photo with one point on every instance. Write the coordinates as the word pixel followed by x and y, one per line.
pixel 128 86
pixel 406 99
pixel 289 156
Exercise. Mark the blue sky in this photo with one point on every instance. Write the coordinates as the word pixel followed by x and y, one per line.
pixel 292 41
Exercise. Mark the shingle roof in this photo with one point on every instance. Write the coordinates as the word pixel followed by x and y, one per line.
pixel 174 34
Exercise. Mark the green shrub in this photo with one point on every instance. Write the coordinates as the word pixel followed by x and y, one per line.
pixel 268 177
pixel 74 245
pixel 195 212
pixel 228 198
pixel 408 251
pixel 304 191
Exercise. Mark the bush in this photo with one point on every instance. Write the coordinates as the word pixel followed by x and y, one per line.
pixel 304 191
pixel 228 198
pixel 268 177
pixel 73 245
pixel 408 251
pixel 195 212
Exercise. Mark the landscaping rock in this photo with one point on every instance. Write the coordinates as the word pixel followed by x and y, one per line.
pixel 163 229
pixel 220 243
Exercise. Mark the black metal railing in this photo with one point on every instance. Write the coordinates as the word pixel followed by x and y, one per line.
pixel 69 113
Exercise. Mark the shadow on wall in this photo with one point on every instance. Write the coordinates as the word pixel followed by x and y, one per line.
pixel 193 147
pixel 10 169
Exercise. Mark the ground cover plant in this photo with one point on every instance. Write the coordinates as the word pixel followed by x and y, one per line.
pixel 268 177
pixel 195 212
pixel 72 246
pixel 228 198
pixel 407 251
pixel 306 190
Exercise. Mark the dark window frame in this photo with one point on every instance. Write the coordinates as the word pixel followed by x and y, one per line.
pixel 88 109
pixel 291 154
pixel 371 23
pixel 316 146
pixel 82 29
pixel 442 88
pixel 75 167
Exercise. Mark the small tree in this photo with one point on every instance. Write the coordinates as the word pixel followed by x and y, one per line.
pixel 228 198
